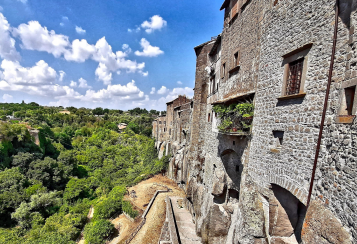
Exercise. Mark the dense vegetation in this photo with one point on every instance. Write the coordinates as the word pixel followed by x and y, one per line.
pixel 82 160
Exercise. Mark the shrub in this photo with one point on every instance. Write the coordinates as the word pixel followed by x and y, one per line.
pixel 128 209
pixel 107 208
pixel 95 232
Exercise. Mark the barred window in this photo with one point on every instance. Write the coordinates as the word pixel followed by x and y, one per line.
pixel 294 78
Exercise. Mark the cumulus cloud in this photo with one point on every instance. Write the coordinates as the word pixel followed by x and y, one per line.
pixel 7 97
pixel 83 83
pixel 36 37
pixel 128 92
pixel 163 90
pixel 126 48
pixel 144 73
pixel 7 44
pixel 136 30
pixel 73 84
pixel 148 50
pixel 153 89
pixel 80 51
pixel 61 75
pixel 79 30
pixel 156 22
pixel 179 83
pixel 37 80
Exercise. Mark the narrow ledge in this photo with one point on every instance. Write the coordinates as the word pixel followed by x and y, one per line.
pixel 235 133
pixel 345 119
pixel 300 95
pixel 275 150
pixel 234 69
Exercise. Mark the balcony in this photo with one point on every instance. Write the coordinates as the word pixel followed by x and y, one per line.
pixel 235 119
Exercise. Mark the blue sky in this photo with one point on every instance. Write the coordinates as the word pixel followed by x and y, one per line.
pixel 115 54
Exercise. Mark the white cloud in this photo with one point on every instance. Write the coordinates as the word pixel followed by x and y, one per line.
pixel 7 97
pixel 136 30
pixel 153 89
pixel 1 8
pixel 80 51
pixel 79 30
pixel 83 83
pixel 23 1
pixel 144 73
pixel 7 44
pixel 126 48
pixel 148 50
pixel 73 84
pixel 116 93
pixel 179 83
pixel 156 23
pixel 61 75
pixel 111 62
pixel 36 37
pixel 38 80
pixel 163 90
pixel 40 74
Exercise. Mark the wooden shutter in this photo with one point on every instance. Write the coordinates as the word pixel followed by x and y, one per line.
pixel 234 10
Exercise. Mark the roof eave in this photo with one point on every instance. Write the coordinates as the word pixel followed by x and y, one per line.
pixel 224 5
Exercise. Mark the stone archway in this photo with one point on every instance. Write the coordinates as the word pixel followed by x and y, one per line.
pixel 286 215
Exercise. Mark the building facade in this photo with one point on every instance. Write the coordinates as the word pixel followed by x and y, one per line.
pixel 251 184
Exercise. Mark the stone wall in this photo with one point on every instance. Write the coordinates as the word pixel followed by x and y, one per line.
pixel 254 189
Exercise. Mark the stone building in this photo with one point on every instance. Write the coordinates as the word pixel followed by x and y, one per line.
pixel 252 186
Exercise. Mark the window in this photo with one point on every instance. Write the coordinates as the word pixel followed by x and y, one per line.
pixel 279 138
pixel 223 71
pixel 236 60
pixel 349 99
pixel 209 117
pixel 295 70
pixel 294 77
pixel 213 84
pixel 348 103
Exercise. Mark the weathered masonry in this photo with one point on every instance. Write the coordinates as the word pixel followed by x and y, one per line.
pixel 243 148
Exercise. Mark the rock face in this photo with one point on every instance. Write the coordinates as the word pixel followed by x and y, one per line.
pixel 252 186
pixel 321 226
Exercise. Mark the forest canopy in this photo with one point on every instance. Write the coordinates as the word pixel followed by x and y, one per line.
pixel 56 163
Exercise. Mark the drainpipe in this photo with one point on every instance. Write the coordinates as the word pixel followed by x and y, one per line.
pixel 325 104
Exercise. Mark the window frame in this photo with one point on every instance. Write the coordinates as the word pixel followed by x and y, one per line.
pixel 342 118
pixel 301 53
pixel 223 70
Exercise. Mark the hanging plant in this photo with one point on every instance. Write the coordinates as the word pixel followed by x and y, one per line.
pixel 234 117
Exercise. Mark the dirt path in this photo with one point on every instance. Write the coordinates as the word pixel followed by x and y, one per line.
pixel 144 191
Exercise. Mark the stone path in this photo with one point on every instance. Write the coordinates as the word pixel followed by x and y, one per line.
pixel 185 225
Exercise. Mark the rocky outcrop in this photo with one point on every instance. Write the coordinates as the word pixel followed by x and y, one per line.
pixel 322 227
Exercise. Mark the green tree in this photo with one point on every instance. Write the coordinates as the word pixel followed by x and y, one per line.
pixel 96 232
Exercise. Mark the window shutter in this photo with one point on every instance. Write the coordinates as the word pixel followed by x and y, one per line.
pixel 234 10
